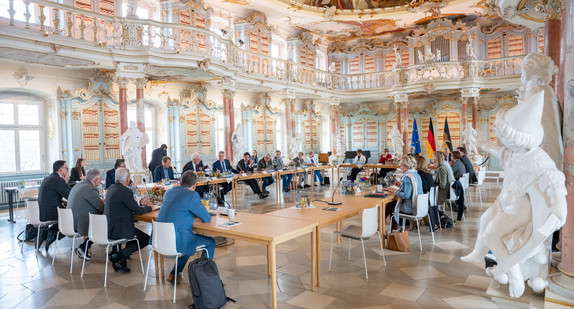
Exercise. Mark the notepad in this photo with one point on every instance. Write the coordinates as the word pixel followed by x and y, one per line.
pixel 230 224
pixel 331 208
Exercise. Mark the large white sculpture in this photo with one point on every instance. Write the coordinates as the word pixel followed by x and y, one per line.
pixel 238 143
pixel 532 204
pixel 295 145
pixel 132 142
pixel 396 141
pixel 470 144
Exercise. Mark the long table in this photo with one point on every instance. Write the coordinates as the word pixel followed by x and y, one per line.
pixel 312 170
pixel 351 206
pixel 261 229
pixel 12 191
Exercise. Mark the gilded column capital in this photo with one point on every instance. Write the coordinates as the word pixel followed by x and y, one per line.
pixel 123 82
pixel 140 82
pixel 228 93
pixel 552 9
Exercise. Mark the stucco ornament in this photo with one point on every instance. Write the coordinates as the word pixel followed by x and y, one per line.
pixel 238 143
pixel 518 227
pixel 132 142
pixel 396 141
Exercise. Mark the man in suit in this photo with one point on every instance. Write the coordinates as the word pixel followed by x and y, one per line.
pixel 467 164
pixel 223 165
pixel 181 205
pixel 278 165
pixel 265 164
pixel 156 157
pixel 111 174
pixel 196 165
pixel 299 162
pixel 84 200
pixel 53 188
pixel 164 170
pixel 119 208
pixel 246 166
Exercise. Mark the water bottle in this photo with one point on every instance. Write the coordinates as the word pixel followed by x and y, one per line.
pixel 298 199
pixel 212 201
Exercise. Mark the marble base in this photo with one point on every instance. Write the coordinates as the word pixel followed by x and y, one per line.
pixel 137 177
pixel 498 293
pixel 560 291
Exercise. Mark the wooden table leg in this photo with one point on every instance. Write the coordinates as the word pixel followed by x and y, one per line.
pixel 155 260
pixel 273 267
pixel 313 257
pixel 318 241
pixel 162 268
pixel 278 179
pixel 382 223
pixel 312 180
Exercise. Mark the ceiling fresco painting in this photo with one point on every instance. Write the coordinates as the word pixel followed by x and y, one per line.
pixel 350 30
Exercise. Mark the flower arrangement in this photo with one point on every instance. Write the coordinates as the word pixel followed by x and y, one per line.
pixel 157 192
pixel 200 174
pixel 215 174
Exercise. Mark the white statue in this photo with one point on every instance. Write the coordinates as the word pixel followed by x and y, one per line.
pixel 132 142
pixel 397 58
pixel 396 141
pixel 469 142
pixel 469 50
pixel 238 143
pixel 295 145
pixel 532 204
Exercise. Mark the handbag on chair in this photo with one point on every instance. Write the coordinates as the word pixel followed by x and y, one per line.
pixel 398 241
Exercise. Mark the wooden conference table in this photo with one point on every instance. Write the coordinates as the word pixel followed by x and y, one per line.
pixel 261 229
pixel 352 205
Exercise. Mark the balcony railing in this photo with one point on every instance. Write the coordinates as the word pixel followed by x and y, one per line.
pixel 54 19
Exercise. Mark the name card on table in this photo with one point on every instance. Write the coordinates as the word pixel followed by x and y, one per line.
pixel 243 174
pixel 264 172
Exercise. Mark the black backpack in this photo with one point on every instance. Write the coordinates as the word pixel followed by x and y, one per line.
pixel 445 221
pixel 206 286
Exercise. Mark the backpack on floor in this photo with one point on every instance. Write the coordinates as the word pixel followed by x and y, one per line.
pixel 445 221
pixel 206 286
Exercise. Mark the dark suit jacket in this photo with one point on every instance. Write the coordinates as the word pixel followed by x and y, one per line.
pixel 189 167
pixel 50 195
pixel 84 200
pixel 428 182
pixel 110 177
pixel 469 169
pixel 156 156
pixel 228 167
pixel 158 173
pixel 119 207
pixel 261 165
pixel 244 167
pixel 74 175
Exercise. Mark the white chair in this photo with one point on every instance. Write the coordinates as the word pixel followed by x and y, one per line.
pixel 465 181
pixel 368 229
pixel 98 234
pixel 480 176
pixel 66 227
pixel 33 217
pixel 452 199
pixel 433 196
pixel 163 241
pixel 422 211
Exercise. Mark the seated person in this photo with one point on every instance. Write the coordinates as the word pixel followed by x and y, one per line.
pixel 467 165
pixel 164 170
pixel 255 157
pixel 263 165
pixel 246 166
pixel 196 165
pixel 278 165
pixel 424 173
pixel 310 161
pixel 458 168
pixel 181 205
pixel 223 165
pixel 386 158
pixel 111 174
pixel 78 173
pixel 409 185
pixel 119 208
pixel 412 151
pixel 359 160
pixel 53 188
pixel 299 162
pixel 84 200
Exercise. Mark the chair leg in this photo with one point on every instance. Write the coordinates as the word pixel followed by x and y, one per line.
pixel 175 283
pixel 72 255
pixel 381 246
pixel 364 259
pixel 147 271
pixel 106 275
pixel 419 232
pixel 84 262
pixel 55 248
pixel 38 237
pixel 331 254
pixel 431 231
pixel 140 253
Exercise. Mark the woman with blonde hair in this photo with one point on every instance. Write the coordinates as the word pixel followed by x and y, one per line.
pixel 409 187
pixel 424 173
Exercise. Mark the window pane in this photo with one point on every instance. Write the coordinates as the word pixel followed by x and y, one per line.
pixel 29 150
pixel 7 151
pixel 28 114
pixel 6 113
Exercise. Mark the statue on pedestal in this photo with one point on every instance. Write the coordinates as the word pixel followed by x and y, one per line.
pixel 295 145
pixel 132 142
pixel 396 141
pixel 518 227
pixel 469 142
pixel 238 143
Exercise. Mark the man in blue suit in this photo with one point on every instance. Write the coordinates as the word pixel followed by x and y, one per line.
pixel 181 205
pixel 164 170
pixel 223 165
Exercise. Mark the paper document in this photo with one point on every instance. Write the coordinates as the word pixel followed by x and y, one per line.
pixel 331 208
pixel 230 224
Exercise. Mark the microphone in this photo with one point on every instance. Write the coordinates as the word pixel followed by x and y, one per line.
pixel 146 187
pixel 333 196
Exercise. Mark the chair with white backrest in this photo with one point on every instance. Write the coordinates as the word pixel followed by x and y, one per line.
pixel 452 199
pixel 433 195
pixel 163 241
pixel 422 211
pixel 362 233
pixel 480 176
pixel 98 234
pixel 33 217
pixel 66 228
pixel 465 181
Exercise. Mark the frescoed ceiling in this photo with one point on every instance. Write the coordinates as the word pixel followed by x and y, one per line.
pixel 341 30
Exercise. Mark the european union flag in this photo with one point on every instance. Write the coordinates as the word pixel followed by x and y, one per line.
pixel 415 138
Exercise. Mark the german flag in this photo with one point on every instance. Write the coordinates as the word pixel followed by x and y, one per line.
pixel 430 146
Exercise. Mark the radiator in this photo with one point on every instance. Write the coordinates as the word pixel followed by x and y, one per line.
pixel 14 183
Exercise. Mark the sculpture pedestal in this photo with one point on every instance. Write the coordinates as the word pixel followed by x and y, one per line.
pixel 138 176
pixel 498 293
pixel 560 291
